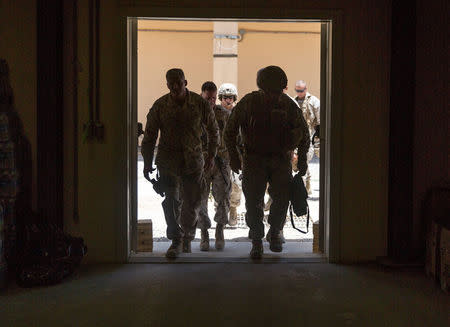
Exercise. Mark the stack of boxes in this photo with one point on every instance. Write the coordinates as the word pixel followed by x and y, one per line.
pixel 8 192
pixel 2 256
pixel 316 238
pixel 8 174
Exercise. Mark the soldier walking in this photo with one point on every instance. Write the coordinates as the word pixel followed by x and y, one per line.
pixel 271 128
pixel 218 179
pixel 180 116
pixel 228 97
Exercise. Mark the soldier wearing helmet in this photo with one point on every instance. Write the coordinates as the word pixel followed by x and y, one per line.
pixel 227 95
pixel 272 127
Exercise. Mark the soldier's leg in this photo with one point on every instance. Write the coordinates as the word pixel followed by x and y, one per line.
pixel 221 190
pixel 254 186
pixel 307 177
pixel 193 187
pixel 280 181
pixel 171 204
pixel 235 200
pixel 204 222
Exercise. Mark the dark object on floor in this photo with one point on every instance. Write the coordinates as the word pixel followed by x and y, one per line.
pixel 48 255
pixel 299 203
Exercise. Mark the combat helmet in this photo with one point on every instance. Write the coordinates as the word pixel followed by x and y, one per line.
pixel 227 89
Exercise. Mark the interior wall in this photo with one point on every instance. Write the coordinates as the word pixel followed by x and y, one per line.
pixel 363 133
pixel 18 46
pixel 431 114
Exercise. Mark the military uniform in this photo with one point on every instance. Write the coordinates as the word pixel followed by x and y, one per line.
pixel 218 179
pixel 269 135
pixel 310 107
pixel 179 157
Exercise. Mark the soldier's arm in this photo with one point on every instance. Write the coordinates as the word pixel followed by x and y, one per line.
pixel 303 137
pixel 212 129
pixel 150 135
pixel 231 131
pixel 315 103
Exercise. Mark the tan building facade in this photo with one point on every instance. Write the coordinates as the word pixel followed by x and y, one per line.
pixel 224 52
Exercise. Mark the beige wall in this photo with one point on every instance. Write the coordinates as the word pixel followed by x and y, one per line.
pixel 364 112
pixel 18 47
pixel 298 54
pixel 160 51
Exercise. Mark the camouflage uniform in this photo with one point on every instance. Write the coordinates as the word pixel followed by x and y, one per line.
pixel 310 106
pixel 236 192
pixel 269 136
pixel 179 157
pixel 219 177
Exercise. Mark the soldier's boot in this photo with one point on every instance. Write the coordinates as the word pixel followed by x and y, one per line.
pixel 283 240
pixel 174 249
pixel 186 246
pixel 308 186
pixel 204 241
pixel 220 240
pixel 232 221
pixel 257 249
pixel 275 242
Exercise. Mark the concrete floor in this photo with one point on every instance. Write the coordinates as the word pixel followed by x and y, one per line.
pixel 231 295
pixel 237 251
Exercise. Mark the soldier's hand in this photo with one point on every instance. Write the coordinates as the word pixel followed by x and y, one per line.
pixel 147 171
pixel 209 163
pixel 235 164
pixel 302 167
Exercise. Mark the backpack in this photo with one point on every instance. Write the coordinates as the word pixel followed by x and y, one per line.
pixel 299 203
pixel 48 255
pixel 267 129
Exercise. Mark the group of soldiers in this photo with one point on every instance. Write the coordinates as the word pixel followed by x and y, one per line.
pixel 203 147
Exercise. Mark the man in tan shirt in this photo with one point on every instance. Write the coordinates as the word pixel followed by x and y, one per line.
pixel 310 106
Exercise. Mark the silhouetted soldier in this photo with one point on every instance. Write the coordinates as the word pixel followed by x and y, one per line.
pixel 181 116
pixel 271 126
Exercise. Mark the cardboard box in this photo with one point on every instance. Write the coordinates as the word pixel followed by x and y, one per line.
pixel 316 238
pixel 145 236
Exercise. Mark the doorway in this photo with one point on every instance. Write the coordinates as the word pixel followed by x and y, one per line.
pixel 226 51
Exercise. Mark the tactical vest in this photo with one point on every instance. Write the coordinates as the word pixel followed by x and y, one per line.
pixel 267 129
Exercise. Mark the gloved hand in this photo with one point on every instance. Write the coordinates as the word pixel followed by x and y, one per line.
pixel 302 166
pixel 316 134
pixel 235 163
pixel 147 171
